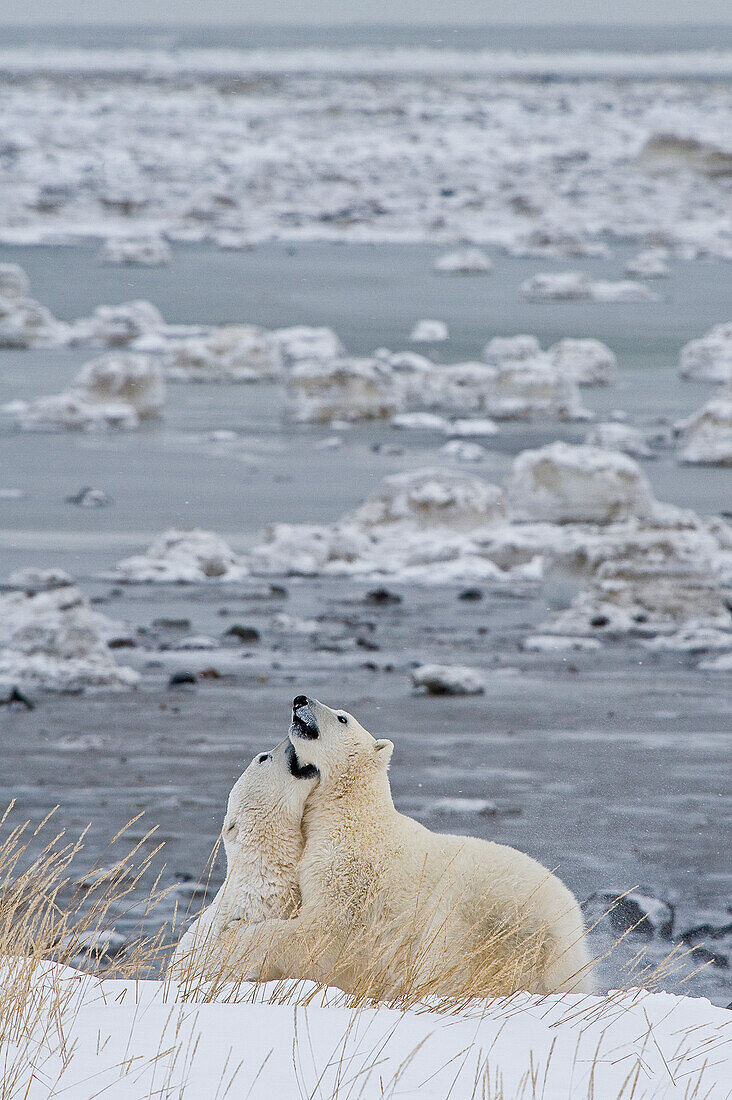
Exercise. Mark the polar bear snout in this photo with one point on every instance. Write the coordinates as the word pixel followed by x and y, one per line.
pixel 304 723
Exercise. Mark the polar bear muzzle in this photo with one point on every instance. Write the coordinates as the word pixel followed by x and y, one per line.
pixel 304 723
pixel 300 771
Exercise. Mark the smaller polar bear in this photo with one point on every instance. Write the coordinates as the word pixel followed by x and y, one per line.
pixel 263 841
pixel 392 910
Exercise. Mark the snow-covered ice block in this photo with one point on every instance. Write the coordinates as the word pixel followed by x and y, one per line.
pixel 301 342
pixel 14 282
pixel 578 286
pixel 231 353
pixel 117 325
pixel 557 643
pixel 448 680
pixel 586 362
pixel 342 389
pixel 51 638
pixel 183 557
pixel 561 483
pixel 421 422
pixel 502 349
pixel 121 376
pixel 428 332
pixel 462 451
pixel 534 388
pixel 708 359
pixel 619 437
pixel 706 437
pixel 554 243
pixel 73 411
pixel 139 251
pixel 431 498
pixel 649 264
pixel 478 426
pixel 463 261
pixel 24 323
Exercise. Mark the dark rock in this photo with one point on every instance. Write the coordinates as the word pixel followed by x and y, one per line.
pixel 366 643
pixel 471 594
pixel 599 620
pixel 637 912
pixel 17 696
pixel 243 634
pixel 382 596
pixel 121 643
pixel 177 679
pixel 89 498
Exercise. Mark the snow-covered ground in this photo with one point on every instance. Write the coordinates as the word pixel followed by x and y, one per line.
pixel 126 1039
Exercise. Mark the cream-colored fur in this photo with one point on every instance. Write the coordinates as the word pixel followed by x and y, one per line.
pixel 389 907
pixel 263 841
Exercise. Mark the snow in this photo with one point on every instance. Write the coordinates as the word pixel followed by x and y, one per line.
pixel 117 325
pixel 429 332
pixel 143 252
pixel 478 426
pixel 342 389
pixel 517 389
pixel 649 264
pixel 556 244
pixel 619 437
pixel 51 638
pixel 14 283
pixel 464 261
pixel 502 349
pixel 578 286
pixel 183 557
pixel 230 353
pixel 587 362
pixel 24 323
pixel 708 359
pixel 556 643
pixel 134 1038
pixel 307 342
pixel 420 422
pixel 72 411
pixel 706 437
pixel 432 498
pixel 463 452
pixel 561 483
pixel 448 680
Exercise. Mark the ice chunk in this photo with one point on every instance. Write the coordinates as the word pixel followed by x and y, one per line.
pixel 706 437
pixel 667 153
pixel 708 359
pixel 117 325
pixel 562 483
pixel 304 342
pixel 474 427
pixel 342 389
pixel 26 324
pixel 555 244
pixel 34 580
pixel 421 421
pixel 14 283
pixel 122 376
pixel 73 411
pixel 433 498
pixel 557 643
pixel 502 349
pixel 619 437
pixel 448 680
pixel 429 332
pixel 533 388
pixel 53 639
pixel 464 261
pixel 463 452
pixel 232 353
pixel 142 251
pixel 649 264
pixel 183 557
pixel 586 362
pixel 578 286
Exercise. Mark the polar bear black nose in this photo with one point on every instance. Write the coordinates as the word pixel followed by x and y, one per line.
pixel 299 701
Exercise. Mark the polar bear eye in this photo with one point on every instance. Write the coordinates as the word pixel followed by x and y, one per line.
pixel 342 718
pixel 262 757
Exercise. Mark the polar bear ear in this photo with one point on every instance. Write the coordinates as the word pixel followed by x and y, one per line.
pixel 383 748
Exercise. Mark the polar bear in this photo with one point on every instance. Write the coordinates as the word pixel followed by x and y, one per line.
pixel 392 910
pixel 263 841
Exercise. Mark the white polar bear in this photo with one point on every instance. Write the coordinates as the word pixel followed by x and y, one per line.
pixel 392 910
pixel 263 841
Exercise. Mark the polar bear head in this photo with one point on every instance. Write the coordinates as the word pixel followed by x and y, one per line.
pixel 267 801
pixel 334 743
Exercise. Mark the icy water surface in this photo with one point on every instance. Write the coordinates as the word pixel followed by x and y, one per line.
pixel 611 765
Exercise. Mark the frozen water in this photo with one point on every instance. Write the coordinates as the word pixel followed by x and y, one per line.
pixel 231 353
pixel 649 264
pixel 74 411
pixel 464 261
pixel 145 252
pixel 448 680
pixel 619 437
pixel 306 342
pixel 463 452
pixel 555 244
pixel 433 498
pixel 578 286
pixel 708 359
pixel 135 380
pixel 117 325
pixel 342 389
pixel 587 362
pixel 24 323
pixel 561 483
pixel 706 437
pixel 428 332
pixel 183 557
pixel 14 283
pixel 509 349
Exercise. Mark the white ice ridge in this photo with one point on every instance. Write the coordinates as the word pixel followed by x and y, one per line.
pixel 319 391
pixel 706 436
pixel 166 164
pixel 276 1041
pixel 117 390
pixel 136 251
pixel 578 286
pixel 463 261
pixel 708 359
pixel 183 557
pixel 51 638
pixel 231 353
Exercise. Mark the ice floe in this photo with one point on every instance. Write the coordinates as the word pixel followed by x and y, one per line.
pixel 613 436
pixel 706 437
pixel 464 261
pixel 51 638
pixel 462 451
pixel 72 411
pixel 342 389
pixel 561 483
pixel 230 353
pixel 301 342
pixel 587 362
pixel 649 264
pixel 142 252
pixel 448 680
pixel 578 286
pixel 708 359
pixel 24 323
pixel 429 332
pixel 117 325
pixel 14 282
pixel 504 349
pixel 183 557
pixel 555 244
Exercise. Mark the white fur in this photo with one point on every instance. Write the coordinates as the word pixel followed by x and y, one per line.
pixel 413 908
